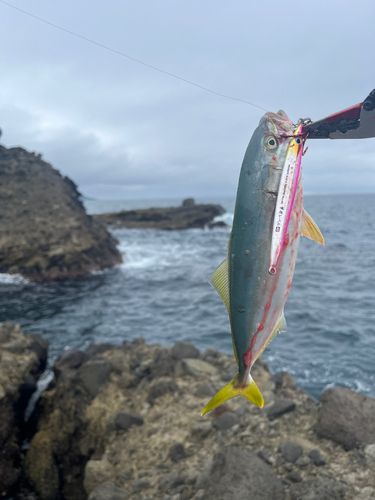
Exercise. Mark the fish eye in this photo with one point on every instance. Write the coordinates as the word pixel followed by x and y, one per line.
pixel 298 141
pixel 271 142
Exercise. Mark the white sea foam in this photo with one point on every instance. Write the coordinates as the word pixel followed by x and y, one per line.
pixel 227 218
pixel 12 279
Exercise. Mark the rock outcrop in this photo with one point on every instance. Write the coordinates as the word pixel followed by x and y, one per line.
pixel 135 431
pixel 22 360
pixel 188 215
pixel 45 231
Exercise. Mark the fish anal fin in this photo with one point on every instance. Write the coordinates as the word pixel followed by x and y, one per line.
pixel 220 281
pixel 310 228
pixel 279 327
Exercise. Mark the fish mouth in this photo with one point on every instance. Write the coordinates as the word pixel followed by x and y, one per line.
pixel 278 123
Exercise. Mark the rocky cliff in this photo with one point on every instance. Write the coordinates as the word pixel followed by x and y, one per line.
pixel 188 215
pixel 45 233
pixel 22 359
pixel 123 422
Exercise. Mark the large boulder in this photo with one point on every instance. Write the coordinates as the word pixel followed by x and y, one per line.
pixel 239 475
pixel 323 488
pixel 347 417
pixel 22 360
pixel 46 233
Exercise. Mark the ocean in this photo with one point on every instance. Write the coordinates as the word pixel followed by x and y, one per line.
pixel 161 292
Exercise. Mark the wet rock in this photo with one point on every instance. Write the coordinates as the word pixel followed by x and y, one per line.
pixel 290 451
pixel 226 421
pixel 160 389
pixel 69 360
pixel 96 473
pixel 316 457
pixel 346 417
pixel 206 389
pixel 39 345
pixel 163 363
pixel 177 452
pixel 194 367
pixel 124 420
pixel 279 407
pixel 294 476
pixel 201 430
pixel 240 475
pixel 108 491
pixel 93 374
pixel 170 481
pixel 324 488
pixel 183 350
pixel 140 484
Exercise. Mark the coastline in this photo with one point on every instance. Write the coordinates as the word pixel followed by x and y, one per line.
pixel 125 421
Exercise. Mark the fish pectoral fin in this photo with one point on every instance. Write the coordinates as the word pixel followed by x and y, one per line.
pixel 310 228
pixel 249 391
pixel 220 281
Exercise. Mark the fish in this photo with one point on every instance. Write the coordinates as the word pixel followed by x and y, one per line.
pixel 254 279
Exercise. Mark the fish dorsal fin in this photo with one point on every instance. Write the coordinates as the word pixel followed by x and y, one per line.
pixel 310 228
pixel 220 281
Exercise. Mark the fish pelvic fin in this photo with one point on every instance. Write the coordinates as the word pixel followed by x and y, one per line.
pixel 249 391
pixel 310 229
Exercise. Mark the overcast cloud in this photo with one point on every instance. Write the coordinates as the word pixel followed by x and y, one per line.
pixel 122 130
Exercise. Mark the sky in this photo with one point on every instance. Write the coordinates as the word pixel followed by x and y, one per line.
pixel 122 130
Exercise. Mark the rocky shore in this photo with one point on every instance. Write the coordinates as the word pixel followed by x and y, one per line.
pixel 188 215
pixel 123 422
pixel 45 231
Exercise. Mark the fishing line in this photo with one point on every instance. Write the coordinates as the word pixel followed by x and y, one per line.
pixel 130 57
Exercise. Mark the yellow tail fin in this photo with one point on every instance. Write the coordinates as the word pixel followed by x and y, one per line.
pixel 250 391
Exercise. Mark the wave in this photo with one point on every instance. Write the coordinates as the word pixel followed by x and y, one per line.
pixel 12 279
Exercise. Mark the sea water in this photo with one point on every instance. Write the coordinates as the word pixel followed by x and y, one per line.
pixel 161 292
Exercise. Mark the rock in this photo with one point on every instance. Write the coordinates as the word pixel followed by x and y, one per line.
pixel 188 202
pixel 366 493
pixel 160 389
pixel 264 456
pixel 317 458
pixel 177 452
pixel 211 353
pixel 125 476
pixel 96 473
pixel 324 488
pixel 48 235
pixel 170 481
pixel 183 350
pixel 162 364
pixel 140 484
pixel 290 451
pixel 206 389
pixel 93 374
pixel 124 421
pixel 183 217
pixel 194 367
pixel 39 345
pixel 294 476
pixel 15 346
pixel 108 491
pixel 201 430
pixel 9 477
pixel 191 476
pixel 226 421
pixel 94 349
pixel 240 475
pixel 69 360
pixel 41 468
pixel 346 417
pixel 370 453
pixel 279 407
pixel 284 380
pixel 199 495
pixel 302 462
